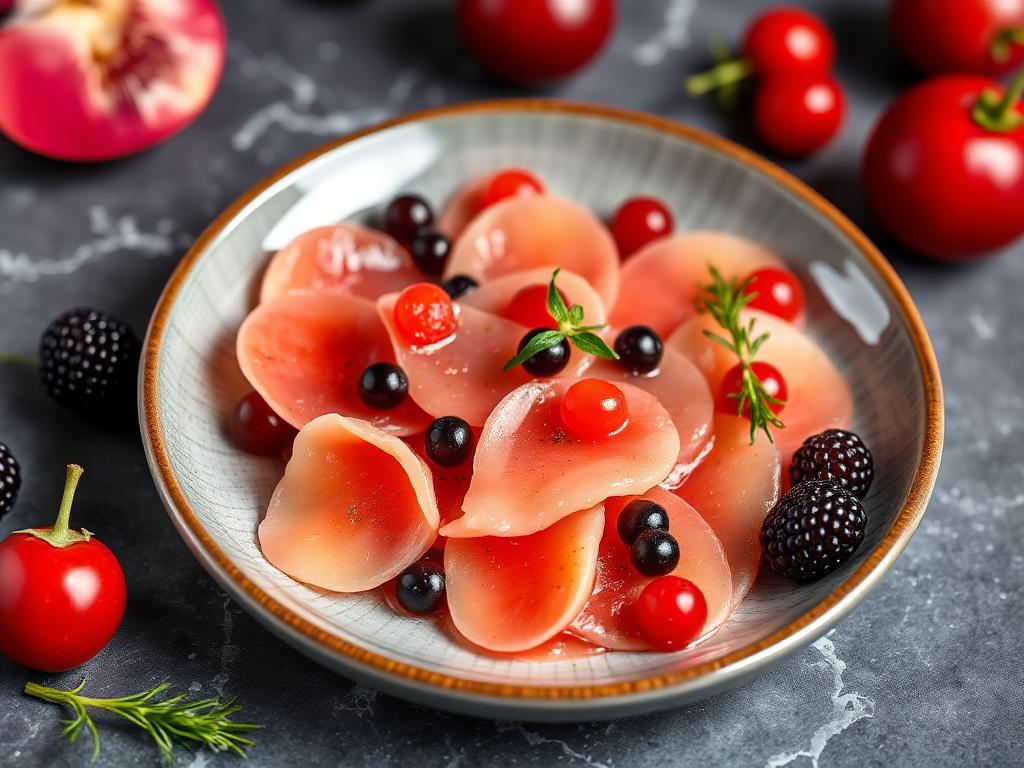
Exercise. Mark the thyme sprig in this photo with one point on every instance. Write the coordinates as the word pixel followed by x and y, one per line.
pixel 724 300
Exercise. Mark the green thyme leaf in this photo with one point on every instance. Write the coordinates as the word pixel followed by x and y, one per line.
pixel 556 307
pixel 540 342
pixel 593 344
pixel 576 314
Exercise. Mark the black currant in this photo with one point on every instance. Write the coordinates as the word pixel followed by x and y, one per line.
pixel 639 349
pixel 654 553
pixel 638 516
pixel 429 250
pixel 420 587
pixel 383 386
pixel 459 285
pixel 449 441
pixel 406 215
pixel 548 361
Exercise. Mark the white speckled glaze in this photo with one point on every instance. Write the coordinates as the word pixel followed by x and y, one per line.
pixel 855 310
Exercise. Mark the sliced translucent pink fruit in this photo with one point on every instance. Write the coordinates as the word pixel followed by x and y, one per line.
pixel 529 471
pixel 450 483
pixel 733 489
pixel 607 617
pixel 495 295
pixel 660 284
pixel 818 397
pixel 362 261
pixel 512 594
pixel 355 507
pixel 304 353
pixel 463 207
pixel 684 393
pixel 540 231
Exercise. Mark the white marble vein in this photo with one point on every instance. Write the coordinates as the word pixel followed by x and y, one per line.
pixel 981 326
pixel 535 739
pixel 674 34
pixel 228 650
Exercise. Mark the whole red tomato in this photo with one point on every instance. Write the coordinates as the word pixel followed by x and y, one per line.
pixel 944 167
pixel 798 114
pixel 984 37
pixel 62 593
pixel 786 40
pixel 535 41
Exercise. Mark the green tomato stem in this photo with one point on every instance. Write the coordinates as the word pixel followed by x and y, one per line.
pixel 999 114
pixel 1004 41
pixel 28 362
pixel 722 75
pixel 61 534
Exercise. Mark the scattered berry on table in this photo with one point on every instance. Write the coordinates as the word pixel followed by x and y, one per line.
pixel 671 613
pixel 420 588
pixel 732 384
pixel 638 516
pixel 256 429
pixel 429 250
pixel 547 362
pixel 593 409
pixel 459 285
pixel 638 221
pixel 797 115
pixel 406 215
pixel 639 349
pixel 424 314
pixel 529 307
pixel 383 386
pixel 836 455
pixel 654 553
pixel 812 530
pixel 449 441
pixel 89 362
pixel 787 40
pixel 776 291
pixel 10 479
pixel 512 182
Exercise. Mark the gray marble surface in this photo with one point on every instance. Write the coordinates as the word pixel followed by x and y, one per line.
pixel 927 671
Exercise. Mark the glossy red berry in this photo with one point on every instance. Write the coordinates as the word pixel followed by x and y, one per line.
pixel 424 314
pixel 256 429
pixel 796 115
pixel 778 292
pixel 671 613
pixel 732 383
pixel 513 182
pixel 529 307
pixel 787 40
pixel 593 409
pixel 638 221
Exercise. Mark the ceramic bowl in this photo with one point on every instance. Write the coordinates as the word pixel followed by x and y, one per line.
pixel 857 309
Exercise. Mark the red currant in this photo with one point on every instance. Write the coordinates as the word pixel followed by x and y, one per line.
pixel 778 292
pixel 638 221
pixel 732 384
pixel 785 40
pixel 529 307
pixel 257 429
pixel 424 314
pixel 593 409
pixel 512 182
pixel 671 613
pixel 796 115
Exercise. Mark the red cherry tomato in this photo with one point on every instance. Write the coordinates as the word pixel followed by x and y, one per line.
pixel 981 37
pixel 671 612
pixel 777 292
pixel 513 182
pixel 732 384
pixel 60 603
pixel 593 409
pixel 257 429
pixel 941 182
pixel 787 40
pixel 529 307
pixel 638 221
pixel 798 114
pixel 535 41
pixel 424 314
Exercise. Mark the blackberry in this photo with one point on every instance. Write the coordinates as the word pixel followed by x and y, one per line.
pixel 812 530
pixel 10 479
pixel 88 361
pixel 838 455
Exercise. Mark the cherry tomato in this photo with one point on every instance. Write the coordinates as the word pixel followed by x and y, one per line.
pixel 257 429
pixel 529 307
pixel 593 409
pixel 981 37
pixel 732 384
pixel 788 40
pixel 778 292
pixel 62 593
pixel 798 114
pixel 512 182
pixel 639 221
pixel 944 171
pixel 671 612
pixel 424 314
pixel 535 41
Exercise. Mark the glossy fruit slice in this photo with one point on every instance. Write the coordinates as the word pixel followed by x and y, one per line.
pixel 511 594
pixel 450 483
pixel 818 398
pixel 542 231
pixel 607 620
pixel 463 206
pixel 529 472
pixel 733 489
pixel 354 508
pixel 304 353
pixel 362 261
pixel 660 284
pixel 496 295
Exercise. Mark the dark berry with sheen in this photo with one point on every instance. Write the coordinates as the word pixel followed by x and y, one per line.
pixel 812 530
pixel 835 455
pixel 638 516
pixel 256 429
pixel 639 349
pixel 459 285
pixel 420 587
pixel 88 362
pixel 547 362
pixel 449 441
pixel 429 250
pixel 406 215
pixel 10 479
pixel 383 386
pixel 654 553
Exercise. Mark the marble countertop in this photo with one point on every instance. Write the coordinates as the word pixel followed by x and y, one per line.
pixel 927 671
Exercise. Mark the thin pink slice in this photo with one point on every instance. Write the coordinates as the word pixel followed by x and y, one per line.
pixel 512 594
pixel 818 397
pixel 450 483
pixel 607 617
pixel 495 295
pixel 539 231
pixel 463 206
pixel 733 489
pixel 529 471
pixel 354 508
pixel 660 284
pixel 347 256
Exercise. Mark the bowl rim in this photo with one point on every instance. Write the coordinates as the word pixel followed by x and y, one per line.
pixel 685 682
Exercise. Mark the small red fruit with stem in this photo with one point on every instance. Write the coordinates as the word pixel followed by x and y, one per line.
pixel 671 613
pixel 639 221
pixel 62 593
pixel 797 115
pixel 776 291
pixel 735 384
pixel 593 409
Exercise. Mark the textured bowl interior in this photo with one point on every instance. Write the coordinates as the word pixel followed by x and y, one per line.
pixel 598 161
